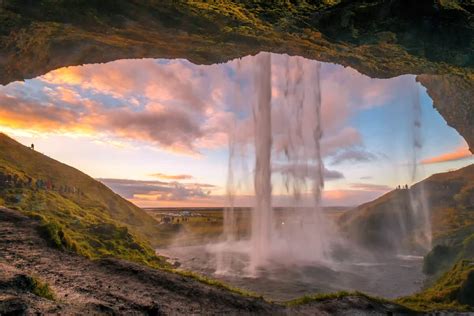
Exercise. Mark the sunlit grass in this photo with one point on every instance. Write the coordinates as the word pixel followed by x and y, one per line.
pixel 87 218
pixel 445 294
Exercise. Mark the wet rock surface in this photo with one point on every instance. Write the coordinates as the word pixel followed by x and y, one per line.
pixel 115 287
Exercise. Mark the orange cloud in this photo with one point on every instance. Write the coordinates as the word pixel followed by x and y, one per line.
pixel 352 197
pixel 23 114
pixel 185 108
pixel 160 175
pixel 458 154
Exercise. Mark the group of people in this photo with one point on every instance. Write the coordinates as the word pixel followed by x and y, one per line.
pixel 14 181
pixel 8 181
pixel 402 187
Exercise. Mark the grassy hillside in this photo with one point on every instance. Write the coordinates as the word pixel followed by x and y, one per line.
pixel 377 224
pixel 78 212
pixel 449 264
pixel 449 197
pixel 454 290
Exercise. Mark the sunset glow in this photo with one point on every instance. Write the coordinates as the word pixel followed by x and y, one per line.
pixel 161 128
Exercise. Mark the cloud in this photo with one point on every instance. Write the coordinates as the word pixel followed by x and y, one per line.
pixel 160 175
pixel 25 114
pixel 458 154
pixel 348 197
pixel 370 187
pixel 173 130
pixel 173 105
pixel 353 155
pixel 305 171
pixel 185 108
pixel 158 190
pixel 153 193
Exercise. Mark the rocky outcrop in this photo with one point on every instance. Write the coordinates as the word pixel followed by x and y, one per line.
pixel 380 38
pixel 453 97
pixel 466 292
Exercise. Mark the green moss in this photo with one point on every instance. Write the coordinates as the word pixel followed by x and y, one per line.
pixel 223 29
pixel 446 293
pixel 53 232
pixel 42 289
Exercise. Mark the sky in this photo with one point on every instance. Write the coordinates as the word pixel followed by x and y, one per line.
pixel 158 131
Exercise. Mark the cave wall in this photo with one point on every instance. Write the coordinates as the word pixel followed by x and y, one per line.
pixel 380 38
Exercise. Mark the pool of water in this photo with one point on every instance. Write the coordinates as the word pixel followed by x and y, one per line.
pixel 389 277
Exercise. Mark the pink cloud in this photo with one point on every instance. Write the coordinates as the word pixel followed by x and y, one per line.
pixel 185 108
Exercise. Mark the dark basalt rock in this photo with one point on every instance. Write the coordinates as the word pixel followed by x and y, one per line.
pixel 466 293
pixel 13 307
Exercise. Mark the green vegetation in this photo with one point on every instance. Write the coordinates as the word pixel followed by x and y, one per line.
pixel 361 33
pixel 38 36
pixel 453 291
pixel 41 288
pixel 93 221
pixel 452 217
pixel 449 263
pixel 197 227
pixel 76 212
pixel 34 285
pixel 452 221
pixel 378 38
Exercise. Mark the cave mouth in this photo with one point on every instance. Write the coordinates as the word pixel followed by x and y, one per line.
pixel 157 132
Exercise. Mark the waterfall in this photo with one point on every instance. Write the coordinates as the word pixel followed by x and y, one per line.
pixel 319 223
pixel 224 257
pixel 291 151
pixel 421 218
pixel 262 214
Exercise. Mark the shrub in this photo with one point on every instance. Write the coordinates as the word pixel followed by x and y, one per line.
pixel 55 235
pixel 41 289
pixel 34 285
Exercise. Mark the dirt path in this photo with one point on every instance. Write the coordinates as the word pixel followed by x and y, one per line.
pixel 115 287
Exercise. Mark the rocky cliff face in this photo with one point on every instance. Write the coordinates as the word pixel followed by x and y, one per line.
pixel 453 97
pixel 379 38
